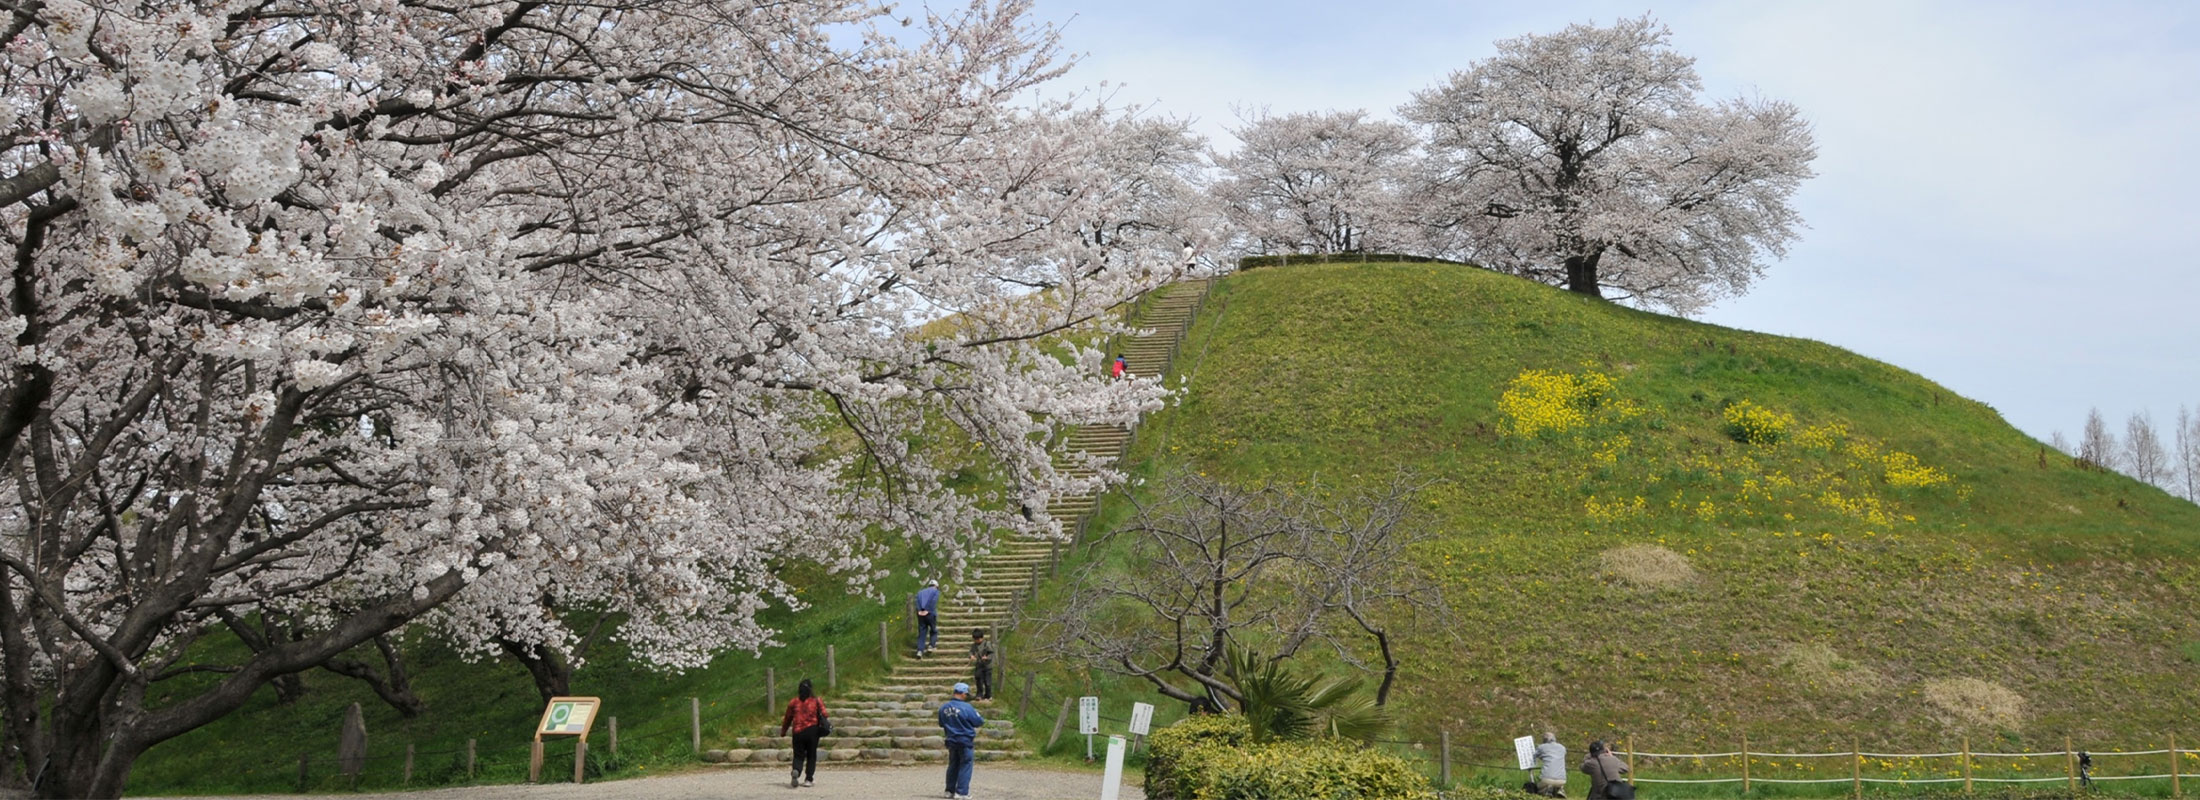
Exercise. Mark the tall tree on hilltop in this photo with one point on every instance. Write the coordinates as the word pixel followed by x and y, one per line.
pixel 2096 445
pixel 363 313
pixel 1329 182
pixel 1586 159
pixel 2144 457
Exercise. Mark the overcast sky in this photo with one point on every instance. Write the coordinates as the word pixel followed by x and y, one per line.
pixel 2007 193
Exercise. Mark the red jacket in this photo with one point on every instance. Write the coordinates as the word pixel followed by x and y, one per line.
pixel 802 715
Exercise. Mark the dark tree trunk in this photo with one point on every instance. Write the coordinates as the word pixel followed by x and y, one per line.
pixel 394 685
pixel 553 676
pixel 1581 274
pixel 1390 668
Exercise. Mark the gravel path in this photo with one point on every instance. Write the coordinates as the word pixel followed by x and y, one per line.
pixel 990 782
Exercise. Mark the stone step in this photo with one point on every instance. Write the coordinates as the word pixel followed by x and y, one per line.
pixel 916 739
pixel 922 722
pixel 737 758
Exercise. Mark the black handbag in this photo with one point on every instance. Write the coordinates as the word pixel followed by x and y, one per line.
pixel 824 724
pixel 1619 790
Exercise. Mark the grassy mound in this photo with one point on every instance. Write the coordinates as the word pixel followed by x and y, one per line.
pixel 1677 533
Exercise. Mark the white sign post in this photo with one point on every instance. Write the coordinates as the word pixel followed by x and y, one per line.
pixel 1088 721
pixel 1524 749
pixel 1111 782
pixel 1141 722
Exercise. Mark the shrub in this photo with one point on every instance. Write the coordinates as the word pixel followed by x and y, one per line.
pixel 1750 423
pixel 1211 758
pixel 1905 470
pixel 1539 401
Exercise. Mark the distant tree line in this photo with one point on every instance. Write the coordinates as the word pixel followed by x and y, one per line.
pixel 2141 453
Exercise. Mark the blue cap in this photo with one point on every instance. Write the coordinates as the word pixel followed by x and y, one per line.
pixel 962 688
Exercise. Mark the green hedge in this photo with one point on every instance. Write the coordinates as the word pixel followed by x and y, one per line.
pixel 1211 757
pixel 1256 262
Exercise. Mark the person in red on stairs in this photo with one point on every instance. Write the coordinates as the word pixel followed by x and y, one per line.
pixel 806 717
pixel 1120 368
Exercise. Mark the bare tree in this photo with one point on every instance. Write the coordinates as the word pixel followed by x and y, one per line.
pixel 2144 457
pixel 2096 445
pixel 2061 444
pixel 1270 566
pixel 2188 453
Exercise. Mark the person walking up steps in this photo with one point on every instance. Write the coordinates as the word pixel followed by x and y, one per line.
pixel 928 616
pixel 806 718
pixel 981 663
pixel 959 723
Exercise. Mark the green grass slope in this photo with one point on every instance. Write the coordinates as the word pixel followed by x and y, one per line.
pixel 1901 567
pixel 493 702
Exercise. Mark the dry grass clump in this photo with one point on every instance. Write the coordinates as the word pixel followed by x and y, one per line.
pixel 1648 566
pixel 1975 702
pixel 1819 667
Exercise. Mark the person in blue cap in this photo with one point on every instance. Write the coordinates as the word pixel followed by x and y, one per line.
pixel 959 721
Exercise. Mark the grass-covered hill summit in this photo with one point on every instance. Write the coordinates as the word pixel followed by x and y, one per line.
pixel 1678 533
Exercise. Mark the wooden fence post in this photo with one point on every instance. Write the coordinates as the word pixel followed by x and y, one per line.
pixel 1058 720
pixel 2070 765
pixel 695 724
pixel 2174 789
pixel 909 609
pixel 1630 760
pixel 1856 770
pixel 1745 763
pixel 1023 702
pixel 580 760
pixel 885 650
pixel 832 670
pixel 1966 765
pixel 408 779
pixel 771 690
pixel 1054 559
pixel 534 761
pixel 614 738
pixel 1443 770
pixel 305 762
pixel 469 759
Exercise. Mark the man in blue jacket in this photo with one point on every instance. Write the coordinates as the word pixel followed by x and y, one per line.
pixel 959 721
pixel 928 616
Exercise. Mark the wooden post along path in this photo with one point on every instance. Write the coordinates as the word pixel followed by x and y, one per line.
pixel 408 779
pixel 695 724
pixel 1745 763
pixel 1966 765
pixel 469 759
pixel 1856 770
pixel 614 738
pixel 832 670
pixel 885 649
pixel 771 690
pixel 1443 769
pixel 1067 702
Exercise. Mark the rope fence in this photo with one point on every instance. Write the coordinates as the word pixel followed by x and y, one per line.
pixel 2078 767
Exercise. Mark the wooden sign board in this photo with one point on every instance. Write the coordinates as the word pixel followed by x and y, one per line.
pixel 568 716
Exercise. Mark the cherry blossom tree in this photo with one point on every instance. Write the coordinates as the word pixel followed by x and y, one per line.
pixel 1587 159
pixel 368 313
pixel 1327 182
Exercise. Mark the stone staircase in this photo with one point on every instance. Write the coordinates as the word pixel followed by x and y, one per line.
pixel 894 722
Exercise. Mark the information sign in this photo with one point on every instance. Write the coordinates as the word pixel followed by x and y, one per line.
pixel 1524 749
pixel 1141 718
pixel 568 716
pixel 1088 715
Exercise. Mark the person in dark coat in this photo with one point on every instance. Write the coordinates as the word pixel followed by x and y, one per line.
pixel 1603 770
pixel 806 718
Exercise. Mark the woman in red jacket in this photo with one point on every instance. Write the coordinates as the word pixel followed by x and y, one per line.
pixel 806 717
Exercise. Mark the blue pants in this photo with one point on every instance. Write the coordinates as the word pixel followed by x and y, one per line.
pixel 928 631
pixel 960 758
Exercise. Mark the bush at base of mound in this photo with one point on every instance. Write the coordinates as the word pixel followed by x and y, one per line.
pixel 1212 757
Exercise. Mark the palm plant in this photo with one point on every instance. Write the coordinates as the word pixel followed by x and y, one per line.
pixel 1284 703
